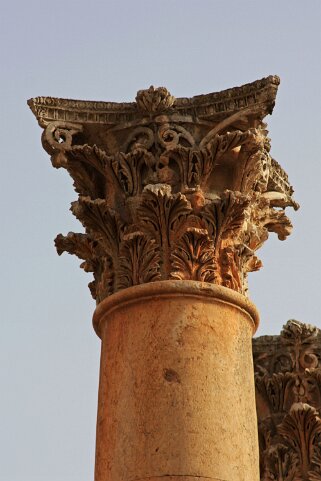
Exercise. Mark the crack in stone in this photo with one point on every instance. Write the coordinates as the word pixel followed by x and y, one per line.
pixel 179 476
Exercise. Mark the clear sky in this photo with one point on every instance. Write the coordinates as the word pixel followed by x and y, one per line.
pixel 107 50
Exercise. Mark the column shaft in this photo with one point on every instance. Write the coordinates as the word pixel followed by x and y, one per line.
pixel 176 395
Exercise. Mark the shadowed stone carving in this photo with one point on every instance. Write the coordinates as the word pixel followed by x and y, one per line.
pixel 288 395
pixel 169 188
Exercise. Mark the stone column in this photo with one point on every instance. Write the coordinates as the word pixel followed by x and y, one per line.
pixel 175 196
pixel 288 398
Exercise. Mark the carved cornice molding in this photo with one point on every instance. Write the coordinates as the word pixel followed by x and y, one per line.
pixel 288 394
pixel 258 95
pixel 169 188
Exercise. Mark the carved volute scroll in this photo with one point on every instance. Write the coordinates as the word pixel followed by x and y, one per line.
pixel 288 395
pixel 169 188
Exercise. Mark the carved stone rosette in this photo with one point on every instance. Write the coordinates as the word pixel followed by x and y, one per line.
pixel 181 189
pixel 288 395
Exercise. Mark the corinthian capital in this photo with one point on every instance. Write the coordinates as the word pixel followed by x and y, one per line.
pixel 288 399
pixel 169 188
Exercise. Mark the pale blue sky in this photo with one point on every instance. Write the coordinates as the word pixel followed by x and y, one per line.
pixel 107 50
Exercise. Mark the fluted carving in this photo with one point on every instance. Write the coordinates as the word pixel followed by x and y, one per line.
pixel 169 188
pixel 288 394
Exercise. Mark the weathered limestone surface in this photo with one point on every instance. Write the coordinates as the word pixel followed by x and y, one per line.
pixel 176 196
pixel 288 394
pixel 175 368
